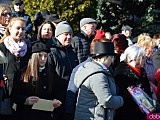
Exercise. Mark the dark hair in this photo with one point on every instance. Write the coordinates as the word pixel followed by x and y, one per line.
pixel 38 20
pixel 120 42
pixel 39 37
pixel 156 36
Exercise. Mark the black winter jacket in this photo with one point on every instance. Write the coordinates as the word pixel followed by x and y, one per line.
pixel 125 77
pixel 14 63
pixel 49 42
pixel 81 45
pixel 22 90
pixel 61 62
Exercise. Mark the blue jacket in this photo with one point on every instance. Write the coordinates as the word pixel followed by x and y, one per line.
pixel 29 24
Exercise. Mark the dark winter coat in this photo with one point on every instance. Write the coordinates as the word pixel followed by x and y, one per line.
pixel 61 62
pixel 13 63
pixel 1 83
pixel 81 45
pixel 49 43
pixel 125 77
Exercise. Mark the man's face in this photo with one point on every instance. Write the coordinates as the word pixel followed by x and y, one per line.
pixel 18 7
pixel 65 39
pixel 90 29
pixel 127 33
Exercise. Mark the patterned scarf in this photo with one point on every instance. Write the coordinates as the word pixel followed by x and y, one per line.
pixel 18 49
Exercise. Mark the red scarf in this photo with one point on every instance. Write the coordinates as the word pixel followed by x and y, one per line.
pixel 137 70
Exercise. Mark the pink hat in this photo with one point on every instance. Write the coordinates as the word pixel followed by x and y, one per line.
pixel 99 34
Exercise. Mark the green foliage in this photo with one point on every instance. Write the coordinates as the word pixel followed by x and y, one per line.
pixel 142 15
pixel 110 16
pixel 69 10
pixel 150 21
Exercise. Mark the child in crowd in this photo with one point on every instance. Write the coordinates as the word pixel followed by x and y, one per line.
pixel 31 84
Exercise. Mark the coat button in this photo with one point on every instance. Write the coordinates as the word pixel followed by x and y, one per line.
pixel 44 87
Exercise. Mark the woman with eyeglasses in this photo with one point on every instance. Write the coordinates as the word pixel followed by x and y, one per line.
pixel 5 17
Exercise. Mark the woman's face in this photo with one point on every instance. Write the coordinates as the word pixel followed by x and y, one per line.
pixel 6 17
pixel 46 31
pixel 149 51
pixel 42 58
pixel 140 62
pixel 17 31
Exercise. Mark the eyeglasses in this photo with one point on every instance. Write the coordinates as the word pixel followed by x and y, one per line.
pixel 5 14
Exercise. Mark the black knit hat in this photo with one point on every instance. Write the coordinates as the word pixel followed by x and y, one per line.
pixel 102 49
pixel 39 47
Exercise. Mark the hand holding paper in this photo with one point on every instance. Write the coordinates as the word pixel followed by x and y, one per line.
pixel 56 103
pixel 31 100
pixel 46 105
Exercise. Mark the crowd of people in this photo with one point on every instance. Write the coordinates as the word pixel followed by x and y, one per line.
pixel 85 75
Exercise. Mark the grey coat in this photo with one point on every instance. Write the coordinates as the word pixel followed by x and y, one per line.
pixel 97 97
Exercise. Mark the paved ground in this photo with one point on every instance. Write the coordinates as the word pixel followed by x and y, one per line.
pixel 6 2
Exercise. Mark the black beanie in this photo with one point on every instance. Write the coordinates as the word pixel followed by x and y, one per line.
pixel 39 47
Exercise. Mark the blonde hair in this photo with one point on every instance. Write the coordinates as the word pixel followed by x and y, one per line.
pixel 32 68
pixel 144 40
pixel 13 20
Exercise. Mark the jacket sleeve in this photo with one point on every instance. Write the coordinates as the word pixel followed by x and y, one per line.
pixel 29 26
pixel 101 87
pixel 16 95
pixel 74 44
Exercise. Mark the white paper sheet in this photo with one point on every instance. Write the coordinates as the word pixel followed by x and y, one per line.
pixel 43 104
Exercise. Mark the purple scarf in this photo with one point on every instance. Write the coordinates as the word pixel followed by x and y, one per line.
pixel 18 49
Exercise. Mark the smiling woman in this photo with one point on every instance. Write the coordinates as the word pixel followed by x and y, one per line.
pixel 5 17
pixel 15 47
